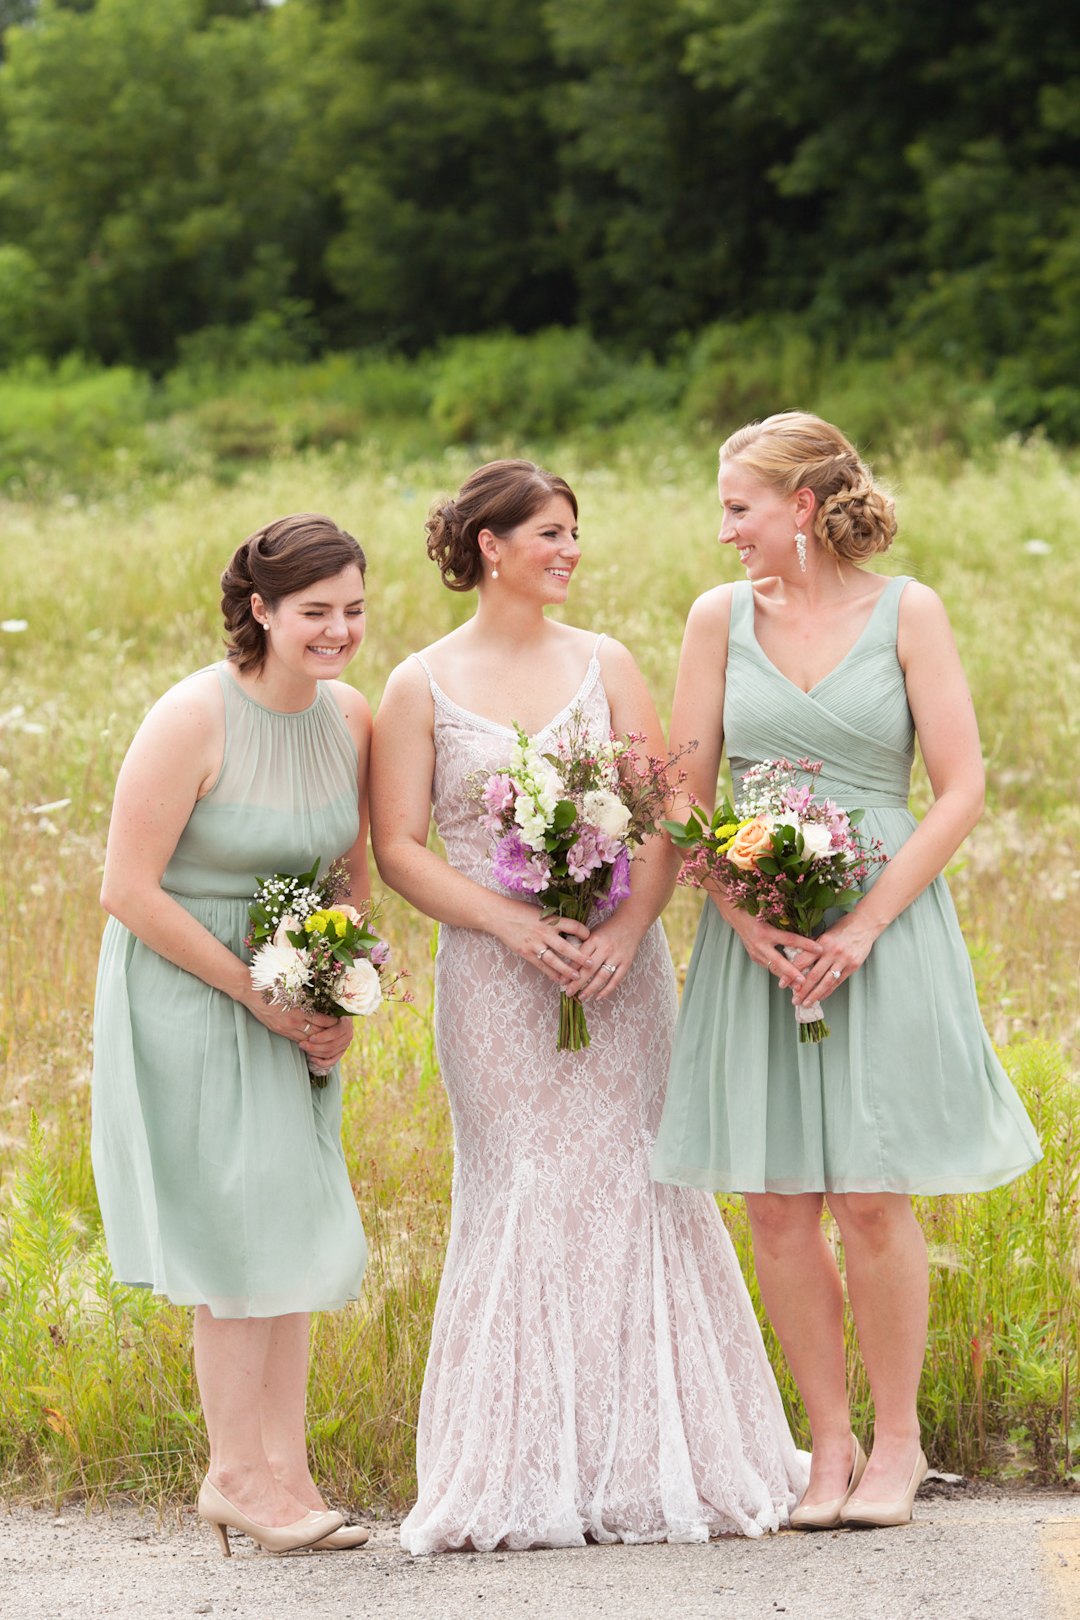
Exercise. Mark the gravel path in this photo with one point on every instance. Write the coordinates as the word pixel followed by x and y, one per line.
pixel 987 1556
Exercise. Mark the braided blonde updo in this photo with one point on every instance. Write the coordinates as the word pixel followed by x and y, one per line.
pixel 794 450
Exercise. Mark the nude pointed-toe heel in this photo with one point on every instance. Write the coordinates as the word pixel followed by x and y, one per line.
pixel 219 1512
pixel 884 1515
pixel 343 1540
pixel 826 1515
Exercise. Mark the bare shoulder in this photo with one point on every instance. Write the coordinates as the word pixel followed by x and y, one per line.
pixel 353 704
pixel 920 605
pixel 190 711
pixel 407 689
pixel 616 660
pixel 710 615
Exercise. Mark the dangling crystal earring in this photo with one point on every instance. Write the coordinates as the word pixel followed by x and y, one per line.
pixel 800 549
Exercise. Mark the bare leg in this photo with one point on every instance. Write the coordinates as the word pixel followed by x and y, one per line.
pixel 282 1407
pixel 889 1288
pixel 230 1364
pixel 801 1288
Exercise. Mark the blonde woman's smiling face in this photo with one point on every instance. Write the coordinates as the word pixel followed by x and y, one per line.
pixel 758 520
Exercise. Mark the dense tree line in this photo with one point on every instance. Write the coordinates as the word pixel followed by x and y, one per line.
pixel 350 172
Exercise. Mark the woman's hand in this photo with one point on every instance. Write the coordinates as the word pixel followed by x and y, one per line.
pixel 764 944
pixel 607 958
pixel 317 1033
pixel 553 945
pixel 842 948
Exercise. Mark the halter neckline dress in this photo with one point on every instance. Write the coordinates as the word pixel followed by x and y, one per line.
pixel 907 1094
pixel 219 1167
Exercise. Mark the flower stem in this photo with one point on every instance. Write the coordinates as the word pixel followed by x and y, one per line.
pixel 815 1032
pixel 573 1030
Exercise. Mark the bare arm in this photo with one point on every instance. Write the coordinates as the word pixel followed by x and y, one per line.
pixel 171 763
pixel 402 771
pixel 614 943
pixel 698 711
pixel 948 735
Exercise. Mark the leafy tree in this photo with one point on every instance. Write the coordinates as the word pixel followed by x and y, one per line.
pixel 155 169
pixel 446 168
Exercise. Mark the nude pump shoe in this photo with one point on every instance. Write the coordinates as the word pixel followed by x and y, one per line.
pixel 219 1513
pixel 343 1540
pixel 883 1515
pixel 826 1515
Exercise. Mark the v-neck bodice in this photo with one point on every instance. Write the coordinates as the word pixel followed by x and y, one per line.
pixel 856 720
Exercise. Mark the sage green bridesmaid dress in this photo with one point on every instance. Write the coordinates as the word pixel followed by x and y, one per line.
pixel 906 1095
pixel 219 1167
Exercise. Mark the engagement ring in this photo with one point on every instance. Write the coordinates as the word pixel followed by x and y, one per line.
pixel 836 973
pixel 541 954
pixel 608 969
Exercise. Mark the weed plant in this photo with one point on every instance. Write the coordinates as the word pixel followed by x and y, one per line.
pixel 119 594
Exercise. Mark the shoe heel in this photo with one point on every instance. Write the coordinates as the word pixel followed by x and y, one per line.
pixel 223 1538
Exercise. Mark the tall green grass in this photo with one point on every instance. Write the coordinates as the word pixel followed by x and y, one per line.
pixel 118 590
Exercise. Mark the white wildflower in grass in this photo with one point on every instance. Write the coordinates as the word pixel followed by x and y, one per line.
pixel 280 968
pixel 604 809
pixel 13 627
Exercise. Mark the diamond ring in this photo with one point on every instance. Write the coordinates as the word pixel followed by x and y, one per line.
pixel 608 969
pixel 541 954
pixel 836 973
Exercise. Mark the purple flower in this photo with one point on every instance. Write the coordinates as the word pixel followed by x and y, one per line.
pixel 380 953
pixel 498 796
pixel 515 867
pixel 584 856
pixel 619 887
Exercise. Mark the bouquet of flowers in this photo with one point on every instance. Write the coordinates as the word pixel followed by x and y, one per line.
pixel 314 953
pixel 783 855
pixel 564 825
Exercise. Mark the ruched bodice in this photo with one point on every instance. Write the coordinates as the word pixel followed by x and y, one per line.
pixel 856 721
pixel 219 1167
pixel 596 1368
pixel 906 1094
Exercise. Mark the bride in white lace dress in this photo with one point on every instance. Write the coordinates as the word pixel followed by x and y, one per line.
pixel 596 1368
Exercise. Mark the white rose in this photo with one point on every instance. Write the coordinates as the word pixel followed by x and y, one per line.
pixel 817 840
pixel 605 810
pixel 360 990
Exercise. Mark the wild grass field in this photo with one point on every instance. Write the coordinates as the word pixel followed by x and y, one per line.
pixel 117 588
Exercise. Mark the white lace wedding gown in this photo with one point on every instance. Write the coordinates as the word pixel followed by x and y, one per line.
pixel 596 1368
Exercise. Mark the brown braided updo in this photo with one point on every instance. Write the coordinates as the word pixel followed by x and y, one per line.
pixel 288 555
pixel 499 496
pixel 794 450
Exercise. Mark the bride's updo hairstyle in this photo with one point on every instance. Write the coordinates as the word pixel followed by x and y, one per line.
pixel 283 557
pixel 499 496
pixel 794 450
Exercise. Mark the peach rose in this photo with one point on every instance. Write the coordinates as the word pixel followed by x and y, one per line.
pixel 752 840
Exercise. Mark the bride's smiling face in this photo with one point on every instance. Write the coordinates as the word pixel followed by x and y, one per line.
pixel 314 632
pixel 538 557
pixel 761 522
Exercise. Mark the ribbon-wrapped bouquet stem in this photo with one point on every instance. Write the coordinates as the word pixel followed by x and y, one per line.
pixel 312 952
pixel 563 827
pixel 784 855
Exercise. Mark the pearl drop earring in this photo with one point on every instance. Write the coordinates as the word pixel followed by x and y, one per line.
pixel 494 573
pixel 800 549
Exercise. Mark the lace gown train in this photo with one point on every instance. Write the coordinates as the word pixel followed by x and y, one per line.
pixel 596 1368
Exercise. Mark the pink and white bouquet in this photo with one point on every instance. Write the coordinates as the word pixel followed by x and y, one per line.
pixel 783 855
pixel 312 952
pixel 564 825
